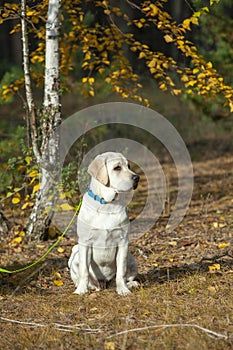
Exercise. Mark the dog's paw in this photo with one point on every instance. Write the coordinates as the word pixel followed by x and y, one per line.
pixel 123 290
pixel 81 289
pixel 133 284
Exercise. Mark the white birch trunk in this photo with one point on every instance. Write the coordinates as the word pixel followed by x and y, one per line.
pixel 40 217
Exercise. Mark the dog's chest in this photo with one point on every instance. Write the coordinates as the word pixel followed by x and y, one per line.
pixel 102 226
pixel 103 262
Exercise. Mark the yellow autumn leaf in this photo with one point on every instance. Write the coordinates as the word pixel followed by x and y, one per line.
pixel 60 250
pixel 33 173
pixel 231 106
pixel 57 274
pixel 142 55
pixel 91 80
pixel 197 14
pixel 223 245
pixel 30 13
pixel 214 267
pixel 87 56
pixel 205 9
pixel 36 188
pixel 16 200
pixel 133 48
pixel 153 70
pixel 146 9
pixel 37 59
pixel 147 313
pixel 92 93
pixel 186 24
pixel 184 78
pixel 66 206
pixel 163 86
pixel 176 92
pixel 16 240
pixel 191 83
pixel 168 38
pixel 139 25
pixel 194 20
pixel 180 43
pixel 195 70
pixel 166 64
pixel 152 63
pixel 58 283
pixel 154 9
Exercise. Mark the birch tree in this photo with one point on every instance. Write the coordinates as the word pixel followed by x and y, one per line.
pixel 45 150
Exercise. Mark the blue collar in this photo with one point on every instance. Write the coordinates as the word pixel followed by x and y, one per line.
pixel 96 197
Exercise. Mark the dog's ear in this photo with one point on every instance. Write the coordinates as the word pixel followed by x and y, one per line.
pixel 98 169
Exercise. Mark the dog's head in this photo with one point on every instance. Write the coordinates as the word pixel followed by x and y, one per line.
pixel 112 170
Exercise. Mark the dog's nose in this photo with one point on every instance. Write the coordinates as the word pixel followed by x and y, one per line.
pixel 135 179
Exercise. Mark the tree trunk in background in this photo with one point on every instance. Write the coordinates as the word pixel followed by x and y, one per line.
pixel 46 151
pixel 4 227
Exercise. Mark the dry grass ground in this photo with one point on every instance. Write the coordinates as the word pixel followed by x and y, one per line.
pixel 185 300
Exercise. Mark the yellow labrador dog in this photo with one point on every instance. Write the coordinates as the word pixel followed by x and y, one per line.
pixel 103 228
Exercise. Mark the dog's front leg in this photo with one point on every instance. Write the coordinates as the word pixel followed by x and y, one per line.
pixel 121 273
pixel 84 265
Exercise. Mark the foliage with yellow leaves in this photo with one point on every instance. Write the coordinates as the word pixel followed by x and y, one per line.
pixel 100 44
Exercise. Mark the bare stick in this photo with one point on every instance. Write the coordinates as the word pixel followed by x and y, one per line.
pixel 59 326
pixel 175 325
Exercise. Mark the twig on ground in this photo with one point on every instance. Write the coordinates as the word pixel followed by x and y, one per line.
pixel 58 326
pixel 32 324
pixel 175 325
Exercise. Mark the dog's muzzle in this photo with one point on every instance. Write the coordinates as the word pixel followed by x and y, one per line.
pixel 135 179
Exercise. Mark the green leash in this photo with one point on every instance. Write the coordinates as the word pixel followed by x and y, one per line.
pixel 50 248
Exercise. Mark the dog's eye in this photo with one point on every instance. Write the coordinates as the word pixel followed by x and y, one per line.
pixel 117 168
pixel 128 166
